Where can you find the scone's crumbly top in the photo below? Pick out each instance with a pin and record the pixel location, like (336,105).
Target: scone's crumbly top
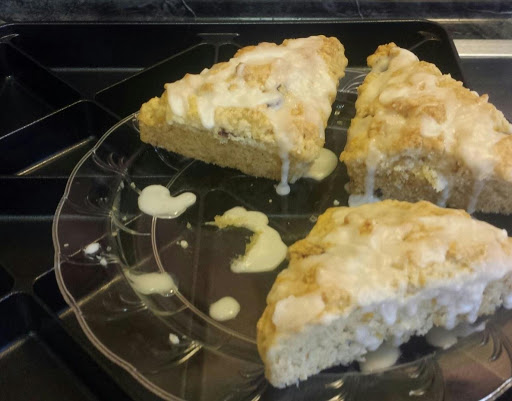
(267,92)
(406,104)
(383,254)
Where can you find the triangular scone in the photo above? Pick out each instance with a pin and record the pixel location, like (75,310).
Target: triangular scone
(419,134)
(266,107)
(379,272)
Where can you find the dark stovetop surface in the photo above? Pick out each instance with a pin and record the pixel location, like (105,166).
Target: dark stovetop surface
(158,10)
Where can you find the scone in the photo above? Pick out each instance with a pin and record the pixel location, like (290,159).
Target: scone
(419,134)
(379,272)
(263,112)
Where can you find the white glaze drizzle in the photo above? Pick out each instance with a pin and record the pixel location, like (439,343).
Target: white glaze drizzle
(152,283)
(507,302)
(157,201)
(92,248)
(445,195)
(383,357)
(226,308)
(323,165)
(266,250)
(283,188)
(372,160)
(174,339)
(444,338)
(478,185)
(355,200)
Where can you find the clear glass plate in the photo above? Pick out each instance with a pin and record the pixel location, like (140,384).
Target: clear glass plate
(219,361)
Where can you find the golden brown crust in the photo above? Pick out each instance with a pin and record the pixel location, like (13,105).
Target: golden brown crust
(152,113)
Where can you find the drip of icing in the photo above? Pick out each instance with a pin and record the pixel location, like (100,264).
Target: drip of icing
(444,338)
(226,308)
(92,248)
(157,201)
(441,337)
(285,145)
(323,165)
(152,283)
(174,339)
(372,160)
(358,200)
(299,79)
(283,188)
(477,188)
(293,312)
(266,250)
(383,357)
(445,195)
(507,302)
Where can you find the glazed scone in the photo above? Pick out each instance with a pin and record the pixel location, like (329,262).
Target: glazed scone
(418,134)
(263,112)
(379,272)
